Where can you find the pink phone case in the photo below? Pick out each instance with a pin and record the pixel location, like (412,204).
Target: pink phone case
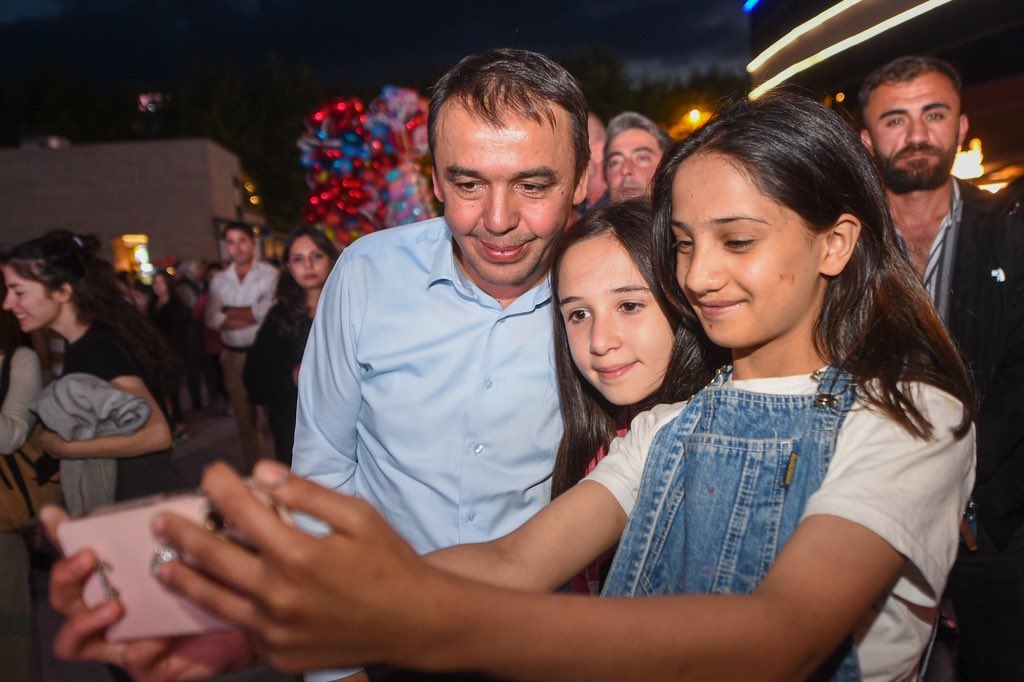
(122,540)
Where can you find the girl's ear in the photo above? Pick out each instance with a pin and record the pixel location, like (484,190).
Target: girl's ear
(840,240)
(62,294)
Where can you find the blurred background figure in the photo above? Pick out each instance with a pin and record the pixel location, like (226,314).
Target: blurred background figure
(134,291)
(174,320)
(632,149)
(240,297)
(20,381)
(209,345)
(272,364)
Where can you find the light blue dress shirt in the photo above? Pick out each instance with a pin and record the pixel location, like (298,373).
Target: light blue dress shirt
(419,393)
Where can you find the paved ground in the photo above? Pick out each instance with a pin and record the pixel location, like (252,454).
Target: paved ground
(210,436)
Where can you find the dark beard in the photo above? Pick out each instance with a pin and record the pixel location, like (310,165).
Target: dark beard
(919,175)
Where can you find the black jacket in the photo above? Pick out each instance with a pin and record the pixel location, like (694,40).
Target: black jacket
(987,322)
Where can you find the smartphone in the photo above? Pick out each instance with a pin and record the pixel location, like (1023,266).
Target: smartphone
(127,557)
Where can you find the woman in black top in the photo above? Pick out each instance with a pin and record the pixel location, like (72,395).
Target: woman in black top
(57,282)
(174,320)
(272,364)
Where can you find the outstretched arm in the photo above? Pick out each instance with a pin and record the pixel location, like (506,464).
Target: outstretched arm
(549,549)
(362,595)
(821,586)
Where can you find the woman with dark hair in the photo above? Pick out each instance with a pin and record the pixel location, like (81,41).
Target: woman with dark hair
(272,364)
(174,320)
(58,282)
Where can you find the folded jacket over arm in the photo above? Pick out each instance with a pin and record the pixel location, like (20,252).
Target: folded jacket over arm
(83,407)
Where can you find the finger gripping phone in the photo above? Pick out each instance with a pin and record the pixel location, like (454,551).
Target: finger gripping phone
(128,555)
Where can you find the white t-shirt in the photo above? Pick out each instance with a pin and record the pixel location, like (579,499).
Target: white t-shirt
(909,491)
(255,290)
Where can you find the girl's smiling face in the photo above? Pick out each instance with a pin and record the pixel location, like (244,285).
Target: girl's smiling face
(618,336)
(751,269)
(30,302)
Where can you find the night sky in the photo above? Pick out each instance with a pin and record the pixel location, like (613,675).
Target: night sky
(148,43)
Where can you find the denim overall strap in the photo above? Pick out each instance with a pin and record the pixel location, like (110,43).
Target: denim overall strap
(724,486)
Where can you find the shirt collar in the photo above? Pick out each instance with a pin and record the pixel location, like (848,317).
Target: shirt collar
(956,204)
(444,270)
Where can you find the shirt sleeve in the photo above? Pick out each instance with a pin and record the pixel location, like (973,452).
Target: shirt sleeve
(621,470)
(16,420)
(909,491)
(265,301)
(214,315)
(329,386)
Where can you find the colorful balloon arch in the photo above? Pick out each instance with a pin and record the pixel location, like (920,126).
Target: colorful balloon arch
(366,167)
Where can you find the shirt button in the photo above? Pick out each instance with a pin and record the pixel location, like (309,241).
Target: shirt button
(471,516)
(478,448)
(488,383)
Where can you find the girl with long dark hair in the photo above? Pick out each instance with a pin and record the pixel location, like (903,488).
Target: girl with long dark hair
(618,343)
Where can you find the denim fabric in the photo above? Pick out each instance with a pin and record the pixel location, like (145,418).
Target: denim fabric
(719,496)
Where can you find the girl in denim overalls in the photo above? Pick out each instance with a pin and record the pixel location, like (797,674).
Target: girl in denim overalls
(795,519)
(813,489)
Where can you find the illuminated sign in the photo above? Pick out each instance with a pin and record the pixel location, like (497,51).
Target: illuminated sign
(840,46)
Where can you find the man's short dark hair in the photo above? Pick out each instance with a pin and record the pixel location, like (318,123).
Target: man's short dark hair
(904,69)
(244,228)
(631,120)
(500,82)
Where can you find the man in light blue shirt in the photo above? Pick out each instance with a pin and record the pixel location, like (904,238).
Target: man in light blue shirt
(427,386)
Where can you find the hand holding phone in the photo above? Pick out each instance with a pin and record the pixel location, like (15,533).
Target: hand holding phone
(128,556)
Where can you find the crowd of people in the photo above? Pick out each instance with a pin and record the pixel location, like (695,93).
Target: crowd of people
(765,377)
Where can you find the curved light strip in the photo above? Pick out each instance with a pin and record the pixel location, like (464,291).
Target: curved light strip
(845,44)
(800,30)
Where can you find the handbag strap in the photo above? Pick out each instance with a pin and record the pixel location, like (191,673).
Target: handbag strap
(19,482)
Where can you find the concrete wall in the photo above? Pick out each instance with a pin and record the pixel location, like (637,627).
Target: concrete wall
(171,190)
